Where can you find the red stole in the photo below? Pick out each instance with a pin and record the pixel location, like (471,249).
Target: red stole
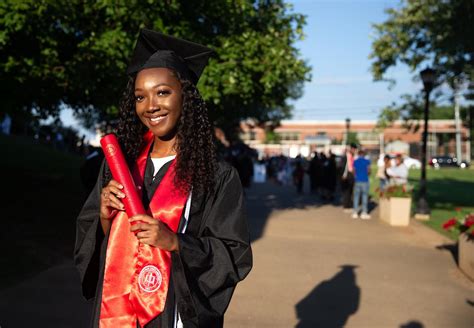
(136,276)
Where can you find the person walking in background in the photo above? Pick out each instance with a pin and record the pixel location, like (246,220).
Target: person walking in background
(298,177)
(319,173)
(347,183)
(399,173)
(382,167)
(331,176)
(313,171)
(323,181)
(361,188)
(328,183)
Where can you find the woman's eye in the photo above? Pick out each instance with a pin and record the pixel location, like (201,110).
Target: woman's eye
(163,92)
(138,98)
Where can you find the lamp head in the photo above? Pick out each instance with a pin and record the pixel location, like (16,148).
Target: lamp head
(428,76)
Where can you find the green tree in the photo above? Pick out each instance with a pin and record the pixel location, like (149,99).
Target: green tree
(74,53)
(352,138)
(427,32)
(271,137)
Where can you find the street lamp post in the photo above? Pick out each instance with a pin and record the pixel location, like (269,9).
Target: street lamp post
(348,126)
(428,76)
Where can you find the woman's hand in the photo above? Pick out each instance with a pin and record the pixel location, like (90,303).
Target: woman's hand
(153,232)
(110,201)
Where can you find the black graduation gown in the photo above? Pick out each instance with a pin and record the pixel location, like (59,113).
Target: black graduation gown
(214,252)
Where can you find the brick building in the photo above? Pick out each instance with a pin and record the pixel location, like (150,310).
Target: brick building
(304,137)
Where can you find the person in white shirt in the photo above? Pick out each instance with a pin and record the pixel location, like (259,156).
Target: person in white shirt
(399,173)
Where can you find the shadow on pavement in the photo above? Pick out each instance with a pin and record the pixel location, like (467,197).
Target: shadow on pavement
(264,198)
(412,324)
(331,302)
(452,248)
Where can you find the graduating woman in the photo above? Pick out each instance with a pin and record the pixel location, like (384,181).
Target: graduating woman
(177,265)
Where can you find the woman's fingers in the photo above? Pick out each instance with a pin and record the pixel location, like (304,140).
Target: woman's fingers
(143,234)
(111,195)
(143,218)
(153,232)
(114,183)
(147,241)
(114,202)
(116,191)
(139,227)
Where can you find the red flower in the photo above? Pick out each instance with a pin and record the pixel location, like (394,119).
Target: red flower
(469,221)
(448,224)
(458,209)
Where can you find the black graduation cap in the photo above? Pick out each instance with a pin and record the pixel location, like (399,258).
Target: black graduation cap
(155,49)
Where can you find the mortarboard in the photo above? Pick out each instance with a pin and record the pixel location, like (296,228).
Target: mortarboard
(155,49)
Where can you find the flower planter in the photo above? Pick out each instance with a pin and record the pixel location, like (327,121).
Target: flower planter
(466,255)
(395,210)
(384,204)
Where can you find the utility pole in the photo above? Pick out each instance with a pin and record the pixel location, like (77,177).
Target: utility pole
(381,143)
(457,119)
(470,113)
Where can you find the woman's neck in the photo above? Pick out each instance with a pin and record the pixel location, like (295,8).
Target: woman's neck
(163,147)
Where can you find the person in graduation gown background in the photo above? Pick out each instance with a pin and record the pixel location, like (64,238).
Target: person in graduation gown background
(210,251)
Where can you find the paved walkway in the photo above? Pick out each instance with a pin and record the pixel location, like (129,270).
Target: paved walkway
(313,267)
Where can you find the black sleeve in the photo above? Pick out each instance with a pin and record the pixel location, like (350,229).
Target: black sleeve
(89,236)
(219,257)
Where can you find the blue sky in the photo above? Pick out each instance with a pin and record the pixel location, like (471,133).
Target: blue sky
(337,45)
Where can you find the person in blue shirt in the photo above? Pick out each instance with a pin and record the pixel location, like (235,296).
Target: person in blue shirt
(361,187)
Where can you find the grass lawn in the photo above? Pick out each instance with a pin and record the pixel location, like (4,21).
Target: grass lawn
(42,195)
(447,189)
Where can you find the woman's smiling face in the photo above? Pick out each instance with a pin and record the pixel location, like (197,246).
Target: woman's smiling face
(158,101)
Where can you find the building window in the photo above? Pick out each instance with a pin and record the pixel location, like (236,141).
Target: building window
(367,136)
(288,136)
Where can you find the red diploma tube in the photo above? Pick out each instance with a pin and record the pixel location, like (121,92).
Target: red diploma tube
(119,168)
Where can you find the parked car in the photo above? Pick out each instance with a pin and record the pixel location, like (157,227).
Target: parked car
(447,161)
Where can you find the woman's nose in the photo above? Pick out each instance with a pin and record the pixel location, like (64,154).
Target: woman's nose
(153,103)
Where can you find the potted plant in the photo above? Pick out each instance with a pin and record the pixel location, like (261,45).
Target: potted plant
(395,204)
(463,223)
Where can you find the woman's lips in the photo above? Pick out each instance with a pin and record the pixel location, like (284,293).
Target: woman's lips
(157,120)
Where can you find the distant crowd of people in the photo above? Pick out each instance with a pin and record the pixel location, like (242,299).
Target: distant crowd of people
(323,171)
(329,175)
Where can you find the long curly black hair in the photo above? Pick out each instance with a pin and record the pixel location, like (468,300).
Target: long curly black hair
(196,150)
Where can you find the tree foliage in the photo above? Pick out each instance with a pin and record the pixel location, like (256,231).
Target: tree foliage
(352,138)
(74,53)
(427,32)
(411,112)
